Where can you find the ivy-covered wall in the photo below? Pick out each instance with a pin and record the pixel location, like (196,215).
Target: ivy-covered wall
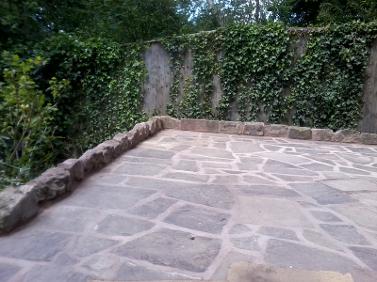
(308,77)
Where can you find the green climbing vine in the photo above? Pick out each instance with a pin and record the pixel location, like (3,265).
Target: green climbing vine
(327,82)
(191,93)
(307,77)
(106,79)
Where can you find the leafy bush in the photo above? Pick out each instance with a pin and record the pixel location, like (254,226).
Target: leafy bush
(104,95)
(26,130)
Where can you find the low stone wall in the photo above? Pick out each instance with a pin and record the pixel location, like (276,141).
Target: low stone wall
(20,204)
(273,130)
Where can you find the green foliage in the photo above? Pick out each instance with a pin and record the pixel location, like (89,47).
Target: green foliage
(198,87)
(309,12)
(264,76)
(255,71)
(26,130)
(104,95)
(85,92)
(327,81)
(29,21)
(113,98)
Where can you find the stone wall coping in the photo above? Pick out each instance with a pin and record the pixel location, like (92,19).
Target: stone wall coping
(19,204)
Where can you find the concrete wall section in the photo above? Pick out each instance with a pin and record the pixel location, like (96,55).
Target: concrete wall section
(159,80)
(369,120)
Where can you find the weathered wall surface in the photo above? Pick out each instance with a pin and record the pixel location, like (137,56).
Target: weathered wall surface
(369,120)
(160,79)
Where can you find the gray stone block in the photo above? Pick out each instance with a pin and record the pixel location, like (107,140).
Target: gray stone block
(325,216)
(303,133)
(277,232)
(368,138)
(249,243)
(345,233)
(153,208)
(16,207)
(323,194)
(91,160)
(34,246)
(276,130)
(367,255)
(173,248)
(129,271)
(253,128)
(197,218)
(75,168)
(170,122)
(230,127)
(282,253)
(139,133)
(122,138)
(7,271)
(110,149)
(322,134)
(56,273)
(200,125)
(83,246)
(346,136)
(51,184)
(123,226)
(155,125)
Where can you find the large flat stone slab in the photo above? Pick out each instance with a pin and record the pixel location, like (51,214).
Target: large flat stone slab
(285,168)
(173,248)
(352,185)
(273,191)
(212,153)
(282,157)
(67,218)
(326,216)
(245,147)
(276,232)
(131,272)
(367,255)
(320,239)
(322,193)
(34,246)
(271,212)
(243,271)
(198,218)
(56,273)
(153,208)
(145,169)
(150,153)
(360,214)
(122,226)
(217,196)
(107,197)
(83,246)
(345,233)
(7,271)
(289,254)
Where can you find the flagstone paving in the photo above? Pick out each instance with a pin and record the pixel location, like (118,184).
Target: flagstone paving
(187,205)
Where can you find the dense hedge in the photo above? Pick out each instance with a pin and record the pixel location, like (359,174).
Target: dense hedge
(105,85)
(94,89)
(263,75)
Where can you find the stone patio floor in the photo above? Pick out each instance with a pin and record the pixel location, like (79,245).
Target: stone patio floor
(187,205)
